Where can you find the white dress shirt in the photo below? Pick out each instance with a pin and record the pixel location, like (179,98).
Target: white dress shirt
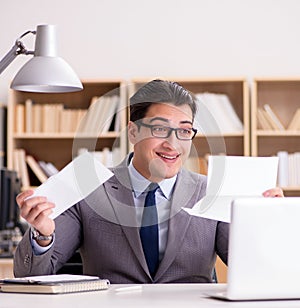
(163,202)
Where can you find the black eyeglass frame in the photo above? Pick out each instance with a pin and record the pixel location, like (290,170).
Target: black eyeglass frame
(170,130)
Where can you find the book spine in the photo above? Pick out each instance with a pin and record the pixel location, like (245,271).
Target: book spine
(35,167)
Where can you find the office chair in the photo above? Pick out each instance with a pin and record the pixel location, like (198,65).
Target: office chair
(72,266)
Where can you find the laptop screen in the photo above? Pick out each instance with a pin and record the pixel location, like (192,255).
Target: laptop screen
(264,248)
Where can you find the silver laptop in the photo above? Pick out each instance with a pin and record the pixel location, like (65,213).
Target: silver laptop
(264,249)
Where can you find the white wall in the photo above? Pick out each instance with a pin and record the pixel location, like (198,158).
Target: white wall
(138,38)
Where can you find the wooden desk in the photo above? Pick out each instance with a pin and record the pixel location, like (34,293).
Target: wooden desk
(154,295)
(6,268)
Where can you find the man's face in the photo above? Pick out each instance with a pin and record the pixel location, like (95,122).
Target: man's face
(160,158)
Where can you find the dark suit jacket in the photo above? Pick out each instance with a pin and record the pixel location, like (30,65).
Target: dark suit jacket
(104,228)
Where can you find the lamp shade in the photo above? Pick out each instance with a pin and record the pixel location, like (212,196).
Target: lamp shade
(46,72)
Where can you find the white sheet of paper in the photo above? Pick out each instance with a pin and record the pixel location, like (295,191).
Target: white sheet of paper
(230,177)
(50,278)
(74,182)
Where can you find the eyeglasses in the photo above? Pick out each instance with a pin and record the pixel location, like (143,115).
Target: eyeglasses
(160,131)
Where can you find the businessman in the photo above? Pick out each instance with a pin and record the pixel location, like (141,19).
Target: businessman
(132,228)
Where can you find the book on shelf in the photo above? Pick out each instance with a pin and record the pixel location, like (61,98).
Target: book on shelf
(19,165)
(54,284)
(46,118)
(86,121)
(288,169)
(215,114)
(262,120)
(28,116)
(100,115)
(70,120)
(98,118)
(106,156)
(20,118)
(111,113)
(283,169)
(117,120)
(27,166)
(35,167)
(37,118)
(51,114)
(273,118)
(48,168)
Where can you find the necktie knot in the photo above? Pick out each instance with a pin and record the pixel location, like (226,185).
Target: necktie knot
(151,190)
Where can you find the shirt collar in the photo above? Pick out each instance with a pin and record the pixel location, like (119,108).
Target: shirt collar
(140,183)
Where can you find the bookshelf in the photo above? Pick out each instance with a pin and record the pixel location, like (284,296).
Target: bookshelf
(283,96)
(58,147)
(237,90)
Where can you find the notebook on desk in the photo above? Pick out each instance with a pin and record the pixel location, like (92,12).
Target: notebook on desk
(54,284)
(264,248)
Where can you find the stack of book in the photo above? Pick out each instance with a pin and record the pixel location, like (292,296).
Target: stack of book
(103,116)
(46,118)
(22,161)
(268,120)
(106,156)
(216,115)
(288,169)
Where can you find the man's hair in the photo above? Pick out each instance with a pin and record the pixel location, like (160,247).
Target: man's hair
(159,91)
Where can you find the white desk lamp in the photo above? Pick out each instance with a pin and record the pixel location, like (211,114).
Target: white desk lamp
(45,72)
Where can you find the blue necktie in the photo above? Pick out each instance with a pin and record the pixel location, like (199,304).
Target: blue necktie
(149,230)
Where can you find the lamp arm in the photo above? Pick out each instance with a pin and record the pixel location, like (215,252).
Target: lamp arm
(16,50)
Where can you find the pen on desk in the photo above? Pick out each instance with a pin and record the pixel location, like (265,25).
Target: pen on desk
(129,289)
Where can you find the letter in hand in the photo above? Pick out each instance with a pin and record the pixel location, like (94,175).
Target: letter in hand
(36,211)
(273,192)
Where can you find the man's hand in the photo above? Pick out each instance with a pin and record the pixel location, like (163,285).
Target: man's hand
(273,192)
(36,211)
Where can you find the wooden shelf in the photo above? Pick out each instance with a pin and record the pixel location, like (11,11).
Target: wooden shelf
(63,135)
(238,92)
(283,96)
(271,133)
(60,147)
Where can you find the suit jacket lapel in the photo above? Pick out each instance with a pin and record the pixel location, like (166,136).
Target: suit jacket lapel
(119,192)
(184,196)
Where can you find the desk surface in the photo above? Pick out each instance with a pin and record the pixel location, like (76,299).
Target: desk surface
(154,295)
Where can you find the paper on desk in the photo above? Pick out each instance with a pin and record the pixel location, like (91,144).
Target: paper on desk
(230,177)
(50,278)
(74,182)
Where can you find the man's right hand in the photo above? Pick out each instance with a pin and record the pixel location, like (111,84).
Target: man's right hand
(36,211)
